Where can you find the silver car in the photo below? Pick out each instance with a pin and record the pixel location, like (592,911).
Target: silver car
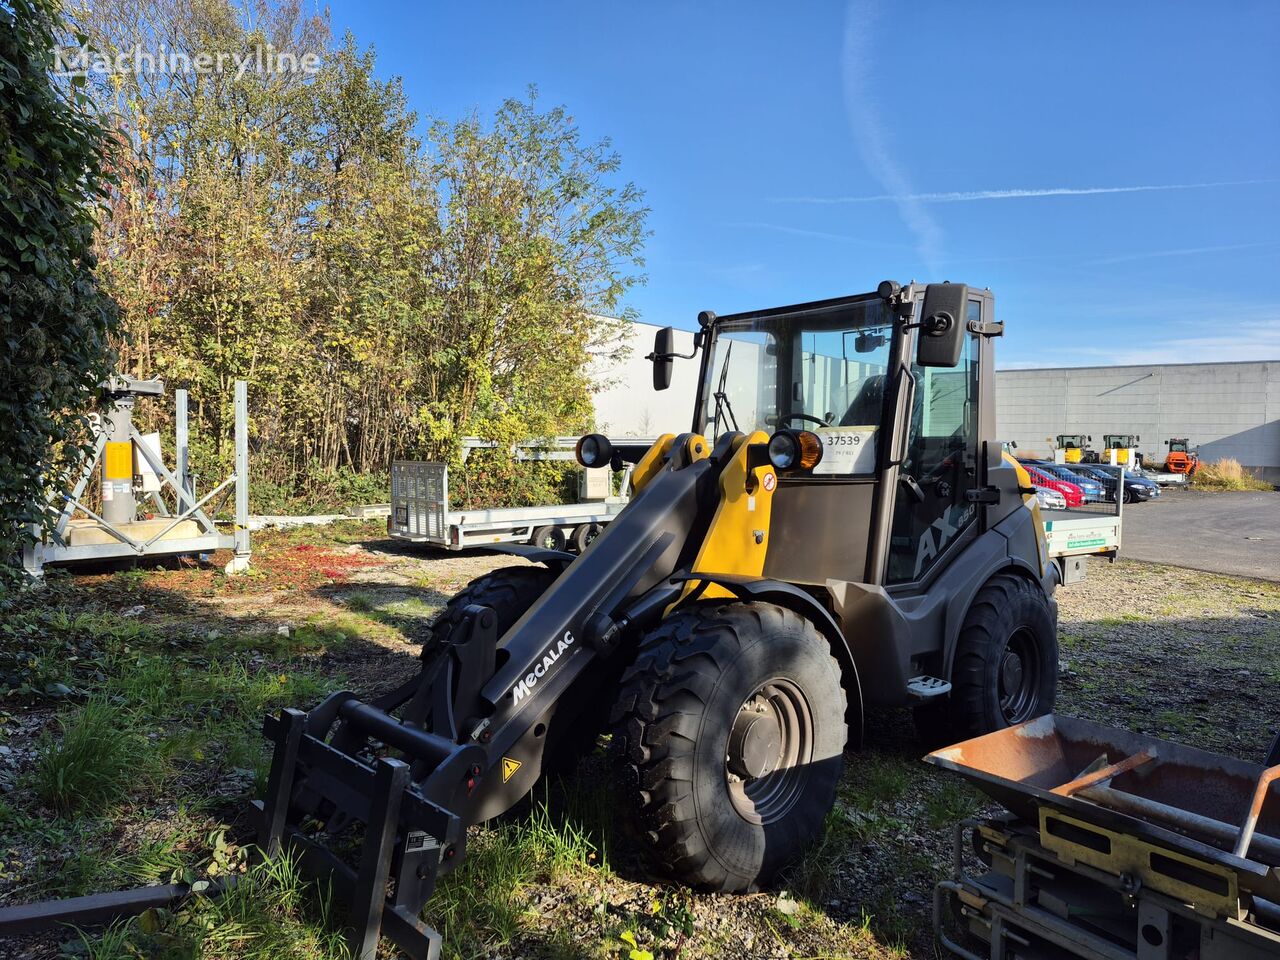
(1050,499)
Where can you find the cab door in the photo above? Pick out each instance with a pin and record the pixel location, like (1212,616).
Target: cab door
(932,515)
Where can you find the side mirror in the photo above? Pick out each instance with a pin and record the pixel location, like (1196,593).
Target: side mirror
(943,324)
(664,346)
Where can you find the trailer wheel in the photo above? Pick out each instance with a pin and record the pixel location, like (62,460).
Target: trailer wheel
(730,733)
(1006,664)
(509,592)
(583,534)
(548,538)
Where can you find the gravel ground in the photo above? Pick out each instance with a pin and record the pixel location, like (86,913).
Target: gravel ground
(1176,653)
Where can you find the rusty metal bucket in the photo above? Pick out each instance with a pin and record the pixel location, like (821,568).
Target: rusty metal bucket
(1205,805)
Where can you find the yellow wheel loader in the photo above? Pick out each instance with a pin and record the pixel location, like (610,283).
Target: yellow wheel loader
(836,528)
(1121,448)
(1075,448)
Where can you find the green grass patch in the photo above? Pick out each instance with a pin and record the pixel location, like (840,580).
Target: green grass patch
(272,913)
(480,908)
(816,874)
(93,762)
(875,779)
(950,803)
(359,602)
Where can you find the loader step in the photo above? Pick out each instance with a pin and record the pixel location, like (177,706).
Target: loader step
(926,688)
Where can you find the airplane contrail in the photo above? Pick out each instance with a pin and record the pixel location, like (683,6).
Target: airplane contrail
(961,196)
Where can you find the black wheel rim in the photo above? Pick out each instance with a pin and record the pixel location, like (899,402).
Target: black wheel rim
(1018,677)
(769,752)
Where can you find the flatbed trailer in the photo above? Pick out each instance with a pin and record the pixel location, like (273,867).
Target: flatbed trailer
(420,513)
(1166,479)
(1075,534)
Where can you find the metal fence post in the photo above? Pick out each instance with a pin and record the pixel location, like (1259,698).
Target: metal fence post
(240,562)
(181,440)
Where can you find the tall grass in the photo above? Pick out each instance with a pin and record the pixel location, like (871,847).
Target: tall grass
(1227,474)
(93,762)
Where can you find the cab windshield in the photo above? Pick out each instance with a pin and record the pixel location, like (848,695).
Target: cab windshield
(821,369)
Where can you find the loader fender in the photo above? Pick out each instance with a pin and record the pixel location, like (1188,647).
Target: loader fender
(555,559)
(793,598)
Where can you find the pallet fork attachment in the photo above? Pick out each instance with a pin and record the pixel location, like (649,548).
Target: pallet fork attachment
(349,766)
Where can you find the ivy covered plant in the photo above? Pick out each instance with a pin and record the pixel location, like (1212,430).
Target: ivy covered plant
(54,320)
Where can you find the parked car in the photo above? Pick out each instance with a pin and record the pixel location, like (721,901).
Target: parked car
(1093,490)
(1141,484)
(1071,493)
(1050,499)
(1137,488)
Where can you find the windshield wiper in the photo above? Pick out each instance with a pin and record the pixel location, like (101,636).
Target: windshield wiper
(722,399)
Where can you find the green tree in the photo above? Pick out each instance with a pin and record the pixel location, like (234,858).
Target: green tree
(536,248)
(54,320)
(387,287)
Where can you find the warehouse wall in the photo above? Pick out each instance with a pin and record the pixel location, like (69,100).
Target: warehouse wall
(626,403)
(1226,409)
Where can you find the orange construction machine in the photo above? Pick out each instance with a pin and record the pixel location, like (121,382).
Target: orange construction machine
(1181,459)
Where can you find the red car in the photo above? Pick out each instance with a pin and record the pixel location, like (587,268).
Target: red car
(1070,492)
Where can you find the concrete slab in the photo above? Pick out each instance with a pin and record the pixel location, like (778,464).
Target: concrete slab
(83,533)
(1231,533)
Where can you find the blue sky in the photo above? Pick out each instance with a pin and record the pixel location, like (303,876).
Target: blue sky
(1111,171)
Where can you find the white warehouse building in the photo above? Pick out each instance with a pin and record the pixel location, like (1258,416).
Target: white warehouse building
(1225,409)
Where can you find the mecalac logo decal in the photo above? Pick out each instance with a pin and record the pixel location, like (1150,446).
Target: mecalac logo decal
(549,658)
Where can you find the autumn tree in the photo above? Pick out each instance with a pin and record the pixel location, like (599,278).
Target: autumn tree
(387,285)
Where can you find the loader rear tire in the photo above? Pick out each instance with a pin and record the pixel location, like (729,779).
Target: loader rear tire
(509,592)
(729,735)
(1006,664)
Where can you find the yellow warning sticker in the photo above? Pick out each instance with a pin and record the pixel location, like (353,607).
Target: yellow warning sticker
(509,768)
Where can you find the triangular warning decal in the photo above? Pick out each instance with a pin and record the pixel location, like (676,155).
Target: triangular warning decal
(509,768)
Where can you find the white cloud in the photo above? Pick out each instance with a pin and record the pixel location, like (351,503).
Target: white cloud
(817,234)
(858,53)
(1232,340)
(902,196)
(1182,252)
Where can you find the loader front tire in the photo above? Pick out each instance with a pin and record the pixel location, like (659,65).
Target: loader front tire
(729,734)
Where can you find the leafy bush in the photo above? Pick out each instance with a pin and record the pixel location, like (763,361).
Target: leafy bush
(317,490)
(1227,474)
(54,321)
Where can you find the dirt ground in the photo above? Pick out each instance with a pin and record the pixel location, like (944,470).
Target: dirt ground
(192,659)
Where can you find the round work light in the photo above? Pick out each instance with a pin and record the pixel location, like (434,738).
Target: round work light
(594,450)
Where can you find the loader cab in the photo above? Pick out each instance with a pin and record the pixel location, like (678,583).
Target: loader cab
(900,418)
